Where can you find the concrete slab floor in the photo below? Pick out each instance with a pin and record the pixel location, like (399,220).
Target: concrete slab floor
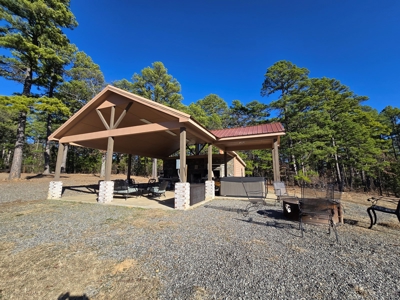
(166,203)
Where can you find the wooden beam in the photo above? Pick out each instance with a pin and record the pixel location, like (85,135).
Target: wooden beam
(249,147)
(102,119)
(112,117)
(121,117)
(60,155)
(210,172)
(110,150)
(128,174)
(182,155)
(225,163)
(153,127)
(275,162)
(154,168)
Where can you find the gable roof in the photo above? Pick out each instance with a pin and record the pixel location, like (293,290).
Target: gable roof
(249,138)
(270,128)
(141,126)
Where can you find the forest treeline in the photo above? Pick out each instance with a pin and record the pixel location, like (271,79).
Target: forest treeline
(331,134)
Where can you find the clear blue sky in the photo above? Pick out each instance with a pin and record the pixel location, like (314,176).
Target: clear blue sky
(225,46)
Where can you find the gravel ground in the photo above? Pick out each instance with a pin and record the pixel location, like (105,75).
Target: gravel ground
(212,252)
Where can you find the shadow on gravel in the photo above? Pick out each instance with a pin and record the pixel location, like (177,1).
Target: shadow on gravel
(275,224)
(87,189)
(37,176)
(271,213)
(67,296)
(225,208)
(350,222)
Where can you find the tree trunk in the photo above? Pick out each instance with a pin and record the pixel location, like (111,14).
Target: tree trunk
(71,165)
(363,180)
(8,158)
(394,147)
(351,178)
(15,171)
(345,179)
(338,175)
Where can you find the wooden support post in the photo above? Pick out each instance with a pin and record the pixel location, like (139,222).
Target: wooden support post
(128,174)
(110,149)
(182,154)
(273,162)
(225,164)
(210,172)
(60,156)
(275,156)
(154,168)
(112,117)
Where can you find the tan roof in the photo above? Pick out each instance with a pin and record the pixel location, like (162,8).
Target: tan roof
(142,127)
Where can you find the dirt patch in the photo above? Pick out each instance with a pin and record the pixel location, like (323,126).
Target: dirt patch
(50,272)
(124,266)
(145,218)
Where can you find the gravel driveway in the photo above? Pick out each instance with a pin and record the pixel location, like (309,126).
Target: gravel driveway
(212,252)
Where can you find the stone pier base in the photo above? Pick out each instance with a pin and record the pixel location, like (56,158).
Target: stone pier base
(106,191)
(55,190)
(182,195)
(210,189)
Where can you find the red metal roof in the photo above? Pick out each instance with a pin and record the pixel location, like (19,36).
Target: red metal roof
(250,130)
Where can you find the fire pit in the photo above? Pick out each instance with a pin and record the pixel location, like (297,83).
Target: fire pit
(291,211)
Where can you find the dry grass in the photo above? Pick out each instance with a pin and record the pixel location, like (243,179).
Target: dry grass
(48,272)
(298,249)
(52,272)
(259,242)
(391,225)
(145,218)
(199,293)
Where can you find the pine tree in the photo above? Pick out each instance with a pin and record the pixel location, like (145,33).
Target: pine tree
(27,30)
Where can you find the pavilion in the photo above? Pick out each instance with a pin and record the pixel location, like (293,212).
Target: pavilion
(118,121)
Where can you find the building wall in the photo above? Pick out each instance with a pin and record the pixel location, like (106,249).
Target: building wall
(197,167)
(238,168)
(231,167)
